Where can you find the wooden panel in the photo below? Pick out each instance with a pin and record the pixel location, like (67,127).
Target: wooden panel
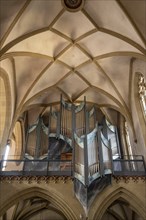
(66,156)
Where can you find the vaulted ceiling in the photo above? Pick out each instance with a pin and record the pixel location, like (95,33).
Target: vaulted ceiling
(47,50)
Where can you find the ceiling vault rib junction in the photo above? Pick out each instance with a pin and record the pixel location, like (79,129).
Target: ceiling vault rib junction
(63,51)
(61,35)
(90,19)
(115,34)
(83,64)
(64,93)
(88,33)
(64,77)
(30,34)
(56,18)
(84,51)
(83,78)
(124,38)
(64,64)
(89,52)
(113,85)
(124,111)
(14,21)
(129,116)
(121,53)
(35,96)
(83,92)
(22,38)
(41,73)
(132,21)
(108,95)
(28,91)
(92,87)
(106,55)
(24,53)
(36,80)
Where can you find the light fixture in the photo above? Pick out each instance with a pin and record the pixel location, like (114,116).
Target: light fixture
(6,155)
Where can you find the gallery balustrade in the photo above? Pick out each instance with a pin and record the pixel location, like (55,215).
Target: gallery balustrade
(127,165)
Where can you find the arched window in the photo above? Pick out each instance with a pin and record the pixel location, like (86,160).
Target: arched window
(2,107)
(13,150)
(5,109)
(16,142)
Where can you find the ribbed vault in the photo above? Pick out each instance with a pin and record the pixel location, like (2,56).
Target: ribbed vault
(47,50)
(37,203)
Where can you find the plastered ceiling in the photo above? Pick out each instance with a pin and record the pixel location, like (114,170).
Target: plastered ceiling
(47,50)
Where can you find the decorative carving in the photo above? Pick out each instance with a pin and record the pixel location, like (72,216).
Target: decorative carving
(37,179)
(142,92)
(126,179)
(142,86)
(62,179)
(73,5)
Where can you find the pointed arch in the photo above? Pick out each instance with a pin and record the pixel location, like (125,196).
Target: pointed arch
(52,197)
(99,207)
